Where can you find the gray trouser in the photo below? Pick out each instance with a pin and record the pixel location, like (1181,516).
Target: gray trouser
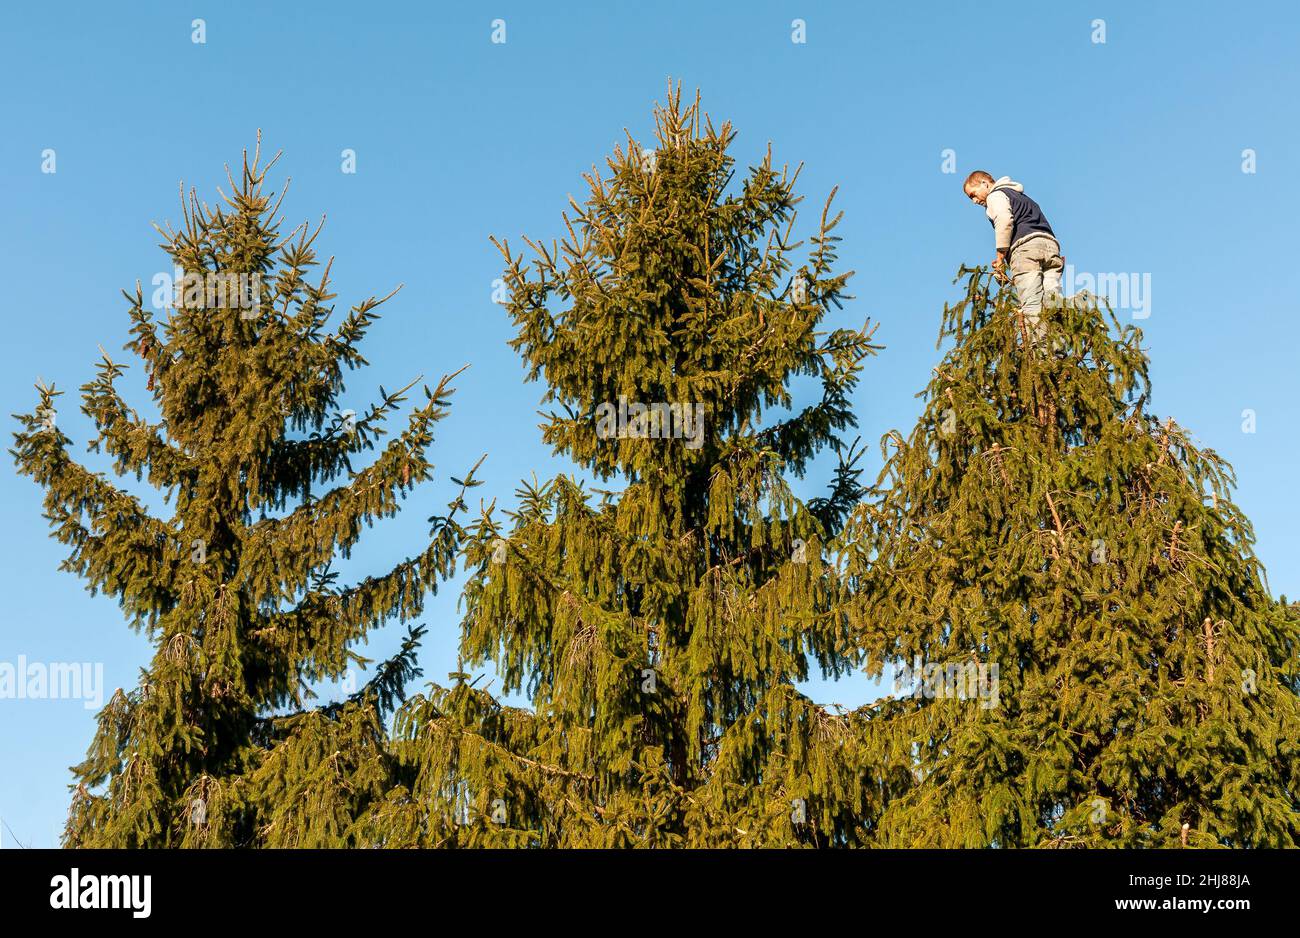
(1036,267)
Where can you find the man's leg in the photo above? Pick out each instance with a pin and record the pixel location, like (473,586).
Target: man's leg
(1027,273)
(1053,265)
(1053,299)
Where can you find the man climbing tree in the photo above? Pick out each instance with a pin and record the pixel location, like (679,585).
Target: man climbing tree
(659,630)
(217,746)
(1039,525)
(1023,239)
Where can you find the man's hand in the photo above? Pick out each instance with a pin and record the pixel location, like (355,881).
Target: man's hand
(1000,268)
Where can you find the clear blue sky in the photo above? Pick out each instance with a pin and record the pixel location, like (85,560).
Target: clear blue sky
(1133,147)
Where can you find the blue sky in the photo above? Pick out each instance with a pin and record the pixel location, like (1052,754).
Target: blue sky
(1134,147)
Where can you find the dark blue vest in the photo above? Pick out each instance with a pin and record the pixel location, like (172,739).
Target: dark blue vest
(1027,217)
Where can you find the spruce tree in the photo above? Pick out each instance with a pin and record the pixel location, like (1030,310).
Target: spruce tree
(1041,521)
(658,627)
(220,743)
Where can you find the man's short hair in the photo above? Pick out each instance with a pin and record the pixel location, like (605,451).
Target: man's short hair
(978,176)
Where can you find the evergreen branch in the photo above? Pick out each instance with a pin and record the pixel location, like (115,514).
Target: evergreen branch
(124,551)
(310,535)
(136,445)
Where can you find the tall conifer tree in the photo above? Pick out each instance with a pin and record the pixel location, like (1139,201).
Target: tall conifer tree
(1041,521)
(659,630)
(219,744)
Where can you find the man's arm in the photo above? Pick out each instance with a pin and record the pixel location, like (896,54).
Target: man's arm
(998,208)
